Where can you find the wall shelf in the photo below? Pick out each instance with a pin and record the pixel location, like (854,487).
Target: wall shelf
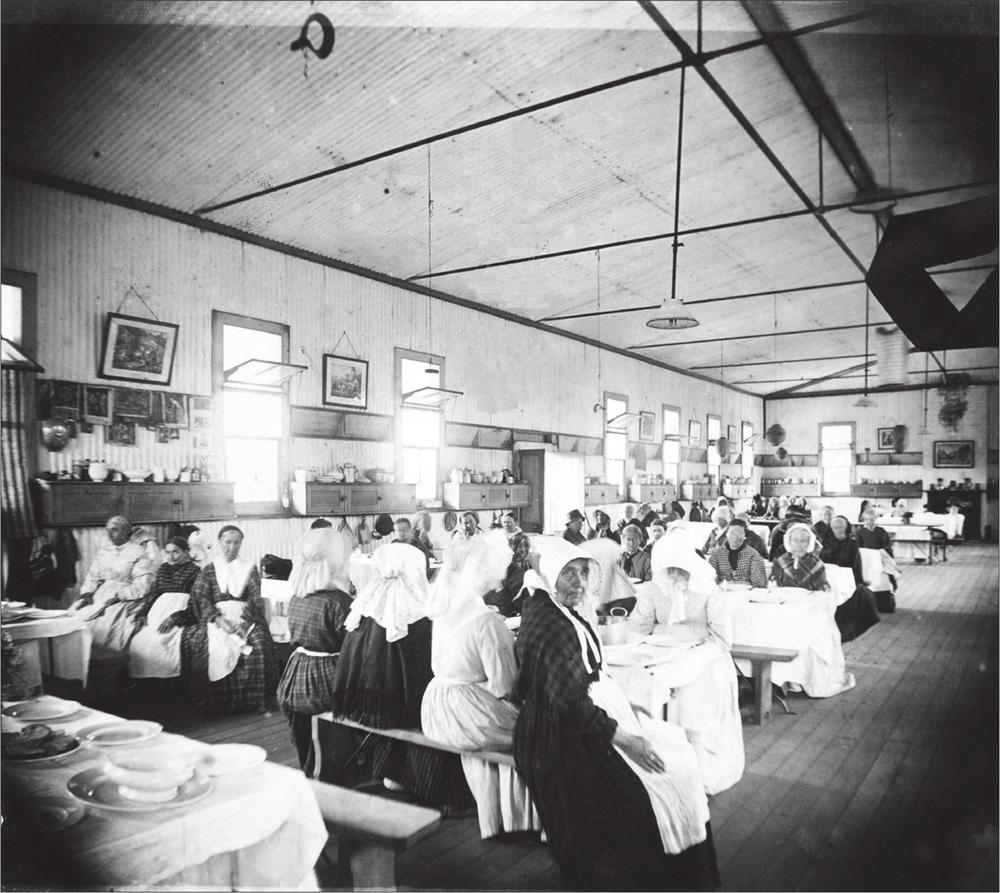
(464,497)
(82,504)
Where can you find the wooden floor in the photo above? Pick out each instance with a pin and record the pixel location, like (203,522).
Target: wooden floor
(890,786)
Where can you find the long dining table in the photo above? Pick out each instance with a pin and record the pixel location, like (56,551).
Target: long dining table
(55,642)
(259,827)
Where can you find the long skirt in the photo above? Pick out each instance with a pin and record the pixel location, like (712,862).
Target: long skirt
(305,689)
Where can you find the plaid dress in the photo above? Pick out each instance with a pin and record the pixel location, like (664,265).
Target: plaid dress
(810,574)
(248,686)
(749,565)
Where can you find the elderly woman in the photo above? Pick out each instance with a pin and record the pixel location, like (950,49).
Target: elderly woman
(507,598)
(735,560)
(799,566)
(634,561)
(510,528)
(773,508)
(226,676)
(383,670)
(467,703)
(317,612)
(155,649)
(620,795)
(684,593)
(822,527)
(602,527)
(723,514)
(115,586)
(860,612)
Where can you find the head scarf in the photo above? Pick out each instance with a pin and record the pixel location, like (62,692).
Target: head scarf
(552,554)
(232,575)
(180,543)
(318,563)
(201,547)
(397,595)
(471,569)
(675,549)
(810,547)
(614,582)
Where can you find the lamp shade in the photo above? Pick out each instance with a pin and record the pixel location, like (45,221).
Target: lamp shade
(775,435)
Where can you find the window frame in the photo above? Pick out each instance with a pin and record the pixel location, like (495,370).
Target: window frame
(823,491)
(406,353)
(664,409)
(28,284)
(221,318)
(621,398)
(712,458)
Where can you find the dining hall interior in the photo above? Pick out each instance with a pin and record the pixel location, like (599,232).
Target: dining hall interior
(506,446)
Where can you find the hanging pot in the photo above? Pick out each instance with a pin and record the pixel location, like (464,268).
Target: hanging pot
(899,438)
(722,445)
(55,435)
(775,435)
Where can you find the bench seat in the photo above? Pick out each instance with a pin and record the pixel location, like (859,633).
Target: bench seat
(760,660)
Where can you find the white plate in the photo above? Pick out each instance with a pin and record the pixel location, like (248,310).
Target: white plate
(55,756)
(117,734)
(42,709)
(767,598)
(225,759)
(94,788)
(48,814)
(5,605)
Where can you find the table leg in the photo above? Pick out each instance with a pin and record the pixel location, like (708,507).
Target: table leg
(762,690)
(317,750)
(373,865)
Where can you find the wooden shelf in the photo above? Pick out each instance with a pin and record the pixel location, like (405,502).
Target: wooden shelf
(464,497)
(601,494)
(82,504)
(888,490)
(353,499)
(652,493)
(809,488)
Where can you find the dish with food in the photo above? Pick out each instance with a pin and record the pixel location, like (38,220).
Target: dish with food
(94,788)
(116,734)
(42,709)
(35,743)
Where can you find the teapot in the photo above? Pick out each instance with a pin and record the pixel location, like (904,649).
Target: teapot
(612,628)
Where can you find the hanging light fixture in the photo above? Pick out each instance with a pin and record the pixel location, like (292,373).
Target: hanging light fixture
(673,314)
(924,430)
(866,402)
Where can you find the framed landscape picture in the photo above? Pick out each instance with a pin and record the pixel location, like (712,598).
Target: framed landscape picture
(97,405)
(647,422)
(133,402)
(954,453)
(886,439)
(345,382)
(137,349)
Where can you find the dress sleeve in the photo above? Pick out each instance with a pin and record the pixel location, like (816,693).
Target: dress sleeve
(254,612)
(713,560)
(818,577)
(202,603)
(496,650)
(758,571)
(139,581)
(859,577)
(778,573)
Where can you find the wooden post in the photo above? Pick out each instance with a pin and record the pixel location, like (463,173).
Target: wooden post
(762,690)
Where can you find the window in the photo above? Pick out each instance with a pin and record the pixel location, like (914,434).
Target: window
(746,450)
(419,429)
(714,431)
(671,443)
(615,440)
(253,417)
(836,458)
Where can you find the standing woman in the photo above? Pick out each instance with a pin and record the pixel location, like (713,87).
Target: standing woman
(316,615)
(620,796)
(228,607)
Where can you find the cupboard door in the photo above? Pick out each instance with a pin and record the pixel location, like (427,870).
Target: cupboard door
(153,502)
(325,499)
(362,499)
(496,496)
(212,499)
(520,494)
(397,499)
(80,504)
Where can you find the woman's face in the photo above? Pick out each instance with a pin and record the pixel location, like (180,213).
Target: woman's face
(827,515)
(522,550)
(655,532)
(175,554)
(508,524)
(571,584)
(678,577)
(839,528)
(229,544)
(798,543)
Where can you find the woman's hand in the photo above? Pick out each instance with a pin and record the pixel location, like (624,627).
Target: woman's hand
(226,625)
(166,626)
(640,751)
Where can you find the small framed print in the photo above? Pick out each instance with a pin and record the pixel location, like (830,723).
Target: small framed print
(97,406)
(694,433)
(137,349)
(173,410)
(133,402)
(954,453)
(120,433)
(345,382)
(886,439)
(65,396)
(647,423)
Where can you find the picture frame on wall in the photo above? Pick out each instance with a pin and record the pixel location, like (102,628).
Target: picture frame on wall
(136,349)
(97,407)
(173,410)
(694,433)
(731,437)
(345,382)
(954,453)
(134,403)
(886,439)
(647,425)
(120,433)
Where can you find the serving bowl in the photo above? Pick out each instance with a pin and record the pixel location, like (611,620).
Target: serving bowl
(136,474)
(150,774)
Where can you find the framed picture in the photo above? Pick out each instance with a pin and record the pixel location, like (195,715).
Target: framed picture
(65,399)
(97,405)
(137,349)
(134,403)
(200,404)
(173,410)
(886,439)
(647,423)
(345,382)
(954,453)
(694,433)
(731,437)
(120,433)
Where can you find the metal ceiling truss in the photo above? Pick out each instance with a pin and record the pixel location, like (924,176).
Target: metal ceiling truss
(771,334)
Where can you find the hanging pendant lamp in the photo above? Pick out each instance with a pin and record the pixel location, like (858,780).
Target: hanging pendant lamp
(673,314)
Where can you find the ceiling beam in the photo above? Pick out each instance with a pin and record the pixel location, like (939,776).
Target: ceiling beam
(527,110)
(813,331)
(696,230)
(848,356)
(753,381)
(688,55)
(800,73)
(872,392)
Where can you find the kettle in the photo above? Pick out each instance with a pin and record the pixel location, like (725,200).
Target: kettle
(612,628)
(350,473)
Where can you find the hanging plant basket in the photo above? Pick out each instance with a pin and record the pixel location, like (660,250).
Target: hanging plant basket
(775,435)
(953,392)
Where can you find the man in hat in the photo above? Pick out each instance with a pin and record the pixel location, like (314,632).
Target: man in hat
(574,527)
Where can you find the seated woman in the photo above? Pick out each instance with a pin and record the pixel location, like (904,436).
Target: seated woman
(602,527)
(821,528)
(633,560)
(684,593)
(155,649)
(620,795)
(383,670)
(507,598)
(114,589)
(223,676)
(860,612)
(799,566)
(735,560)
(773,508)
(317,612)
(201,547)
(467,703)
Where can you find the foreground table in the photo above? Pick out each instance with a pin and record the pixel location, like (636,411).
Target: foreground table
(54,642)
(258,828)
(652,686)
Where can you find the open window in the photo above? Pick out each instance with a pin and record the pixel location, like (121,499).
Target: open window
(422,396)
(615,438)
(671,443)
(836,458)
(713,429)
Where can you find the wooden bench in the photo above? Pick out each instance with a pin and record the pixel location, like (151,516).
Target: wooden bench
(761,660)
(371,831)
(408,735)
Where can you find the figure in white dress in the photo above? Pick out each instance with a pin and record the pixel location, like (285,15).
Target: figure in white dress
(684,593)
(466,703)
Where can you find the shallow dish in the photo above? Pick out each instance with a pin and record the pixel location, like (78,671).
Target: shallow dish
(74,747)
(225,759)
(42,709)
(118,734)
(94,788)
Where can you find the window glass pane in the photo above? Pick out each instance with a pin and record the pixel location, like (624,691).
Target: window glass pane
(836,458)
(252,466)
(251,414)
(616,445)
(413,375)
(420,427)
(10,314)
(835,435)
(671,452)
(240,344)
(714,428)
(420,468)
(836,481)
(615,471)
(671,422)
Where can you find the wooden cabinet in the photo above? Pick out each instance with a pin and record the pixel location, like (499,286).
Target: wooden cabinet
(80,504)
(353,499)
(601,494)
(772,488)
(738,491)
(699,492)
(652,493)
(888,490)
(463,497)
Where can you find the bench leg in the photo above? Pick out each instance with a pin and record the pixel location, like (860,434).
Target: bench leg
(762,690)
(373,865)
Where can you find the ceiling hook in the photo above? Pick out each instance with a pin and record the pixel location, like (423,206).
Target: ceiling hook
(303,42)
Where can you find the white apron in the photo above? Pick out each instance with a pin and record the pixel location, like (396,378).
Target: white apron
(152,654)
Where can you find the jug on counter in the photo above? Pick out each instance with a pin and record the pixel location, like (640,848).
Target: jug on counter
(350,473)
(612,628)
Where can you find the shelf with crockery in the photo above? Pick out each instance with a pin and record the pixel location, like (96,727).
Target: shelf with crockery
(909,490)
(317,498)
(463,497)
(803,487)
(601,494)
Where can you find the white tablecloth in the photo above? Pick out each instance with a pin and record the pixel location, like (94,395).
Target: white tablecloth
(805,621)
(258,828)
(58,645)
(952,525)
(651,686)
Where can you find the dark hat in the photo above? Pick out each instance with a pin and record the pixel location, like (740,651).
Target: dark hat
(575,515)
(383,525)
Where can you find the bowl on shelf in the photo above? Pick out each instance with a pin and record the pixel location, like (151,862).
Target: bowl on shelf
(98,471)
(136,474)
(377,475)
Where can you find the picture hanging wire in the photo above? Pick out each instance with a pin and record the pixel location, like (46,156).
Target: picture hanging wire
(130,292)
(344,335)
